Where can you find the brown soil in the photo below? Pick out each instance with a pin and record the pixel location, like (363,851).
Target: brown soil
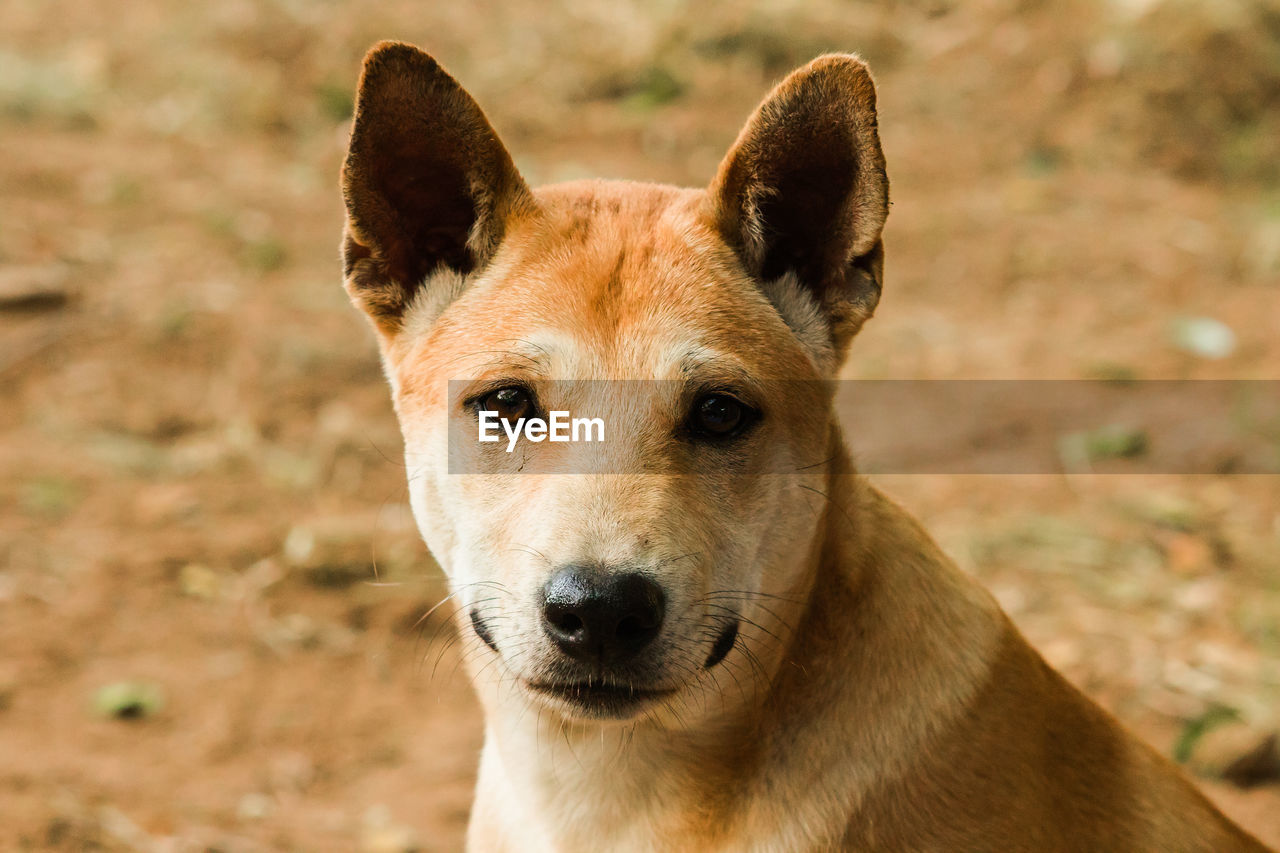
(199,478)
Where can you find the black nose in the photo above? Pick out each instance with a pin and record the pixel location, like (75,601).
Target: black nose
(599,616)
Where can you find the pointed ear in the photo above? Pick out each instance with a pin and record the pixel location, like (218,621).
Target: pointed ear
(428,186)
(804,192)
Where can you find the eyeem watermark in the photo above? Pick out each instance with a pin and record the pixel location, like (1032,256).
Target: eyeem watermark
(896,426)
(559,427)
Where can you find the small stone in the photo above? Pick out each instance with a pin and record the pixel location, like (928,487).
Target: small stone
(199,581)
(299,545)
(1203,336)
(390,839)
(1201,596)
(129,700)
(1256,766)
(293,772)
(299,629)
(34,288)
(382,835)
(1105,59)
(254,806)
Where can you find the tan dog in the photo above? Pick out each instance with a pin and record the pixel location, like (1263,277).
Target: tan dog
(725,640)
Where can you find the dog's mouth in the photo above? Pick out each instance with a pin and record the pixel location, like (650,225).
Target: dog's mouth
(602,699)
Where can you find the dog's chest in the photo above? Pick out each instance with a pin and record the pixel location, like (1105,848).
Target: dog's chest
(587,802)
(555,800)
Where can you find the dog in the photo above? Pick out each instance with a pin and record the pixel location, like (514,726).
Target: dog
(722,638)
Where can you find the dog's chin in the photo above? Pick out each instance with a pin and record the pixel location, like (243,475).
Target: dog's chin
(598,700)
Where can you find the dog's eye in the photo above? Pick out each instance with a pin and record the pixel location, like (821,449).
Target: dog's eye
(719,416)
(511,404)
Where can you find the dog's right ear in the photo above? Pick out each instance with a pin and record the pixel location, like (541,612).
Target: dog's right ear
(428,186)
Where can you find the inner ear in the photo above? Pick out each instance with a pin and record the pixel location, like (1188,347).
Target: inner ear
(437,209)
(801,196)
(803,191)
(427,184)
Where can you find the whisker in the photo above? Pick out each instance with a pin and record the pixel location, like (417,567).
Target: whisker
(828,499)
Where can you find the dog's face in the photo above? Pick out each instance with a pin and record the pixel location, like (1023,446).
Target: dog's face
(634,575)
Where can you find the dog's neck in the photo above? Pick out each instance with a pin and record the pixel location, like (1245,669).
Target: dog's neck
(869,631)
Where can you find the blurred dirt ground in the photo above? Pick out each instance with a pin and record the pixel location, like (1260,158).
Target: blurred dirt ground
(201,503)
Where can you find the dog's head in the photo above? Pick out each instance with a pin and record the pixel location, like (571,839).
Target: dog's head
(700,326)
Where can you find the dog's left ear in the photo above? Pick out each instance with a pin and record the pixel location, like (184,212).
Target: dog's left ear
(803,191)
(429,187)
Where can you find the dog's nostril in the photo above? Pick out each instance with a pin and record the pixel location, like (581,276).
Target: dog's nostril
(567,623)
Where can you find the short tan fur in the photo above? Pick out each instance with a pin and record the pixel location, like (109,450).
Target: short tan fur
(795,665)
